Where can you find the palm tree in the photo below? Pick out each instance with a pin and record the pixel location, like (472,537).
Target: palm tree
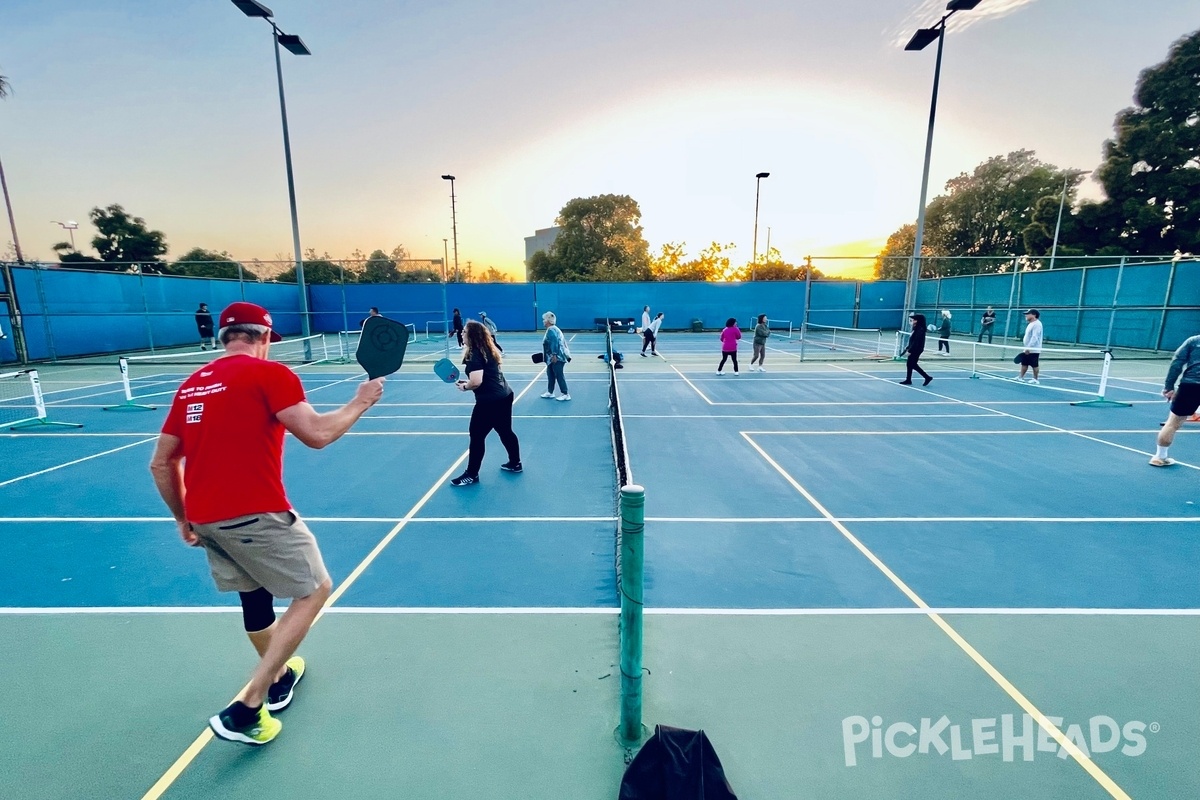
(5,91)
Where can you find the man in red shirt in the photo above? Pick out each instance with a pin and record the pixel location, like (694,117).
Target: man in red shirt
(219,468)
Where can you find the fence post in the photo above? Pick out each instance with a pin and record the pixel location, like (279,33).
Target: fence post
(1112,315)
(14,315)
(1012,290)
(47,325)
(1162,321)
(1083,276)
(633,504)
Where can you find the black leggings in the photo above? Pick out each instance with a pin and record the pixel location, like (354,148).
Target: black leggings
(647,339)
(944,344)
(724,356)
(488,416)
(912,364)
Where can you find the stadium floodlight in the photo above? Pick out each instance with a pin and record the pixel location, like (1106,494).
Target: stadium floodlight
(252,8)
(754,259)
(920,40)
(453,223)
(293,44)
(70,226)
(923,38)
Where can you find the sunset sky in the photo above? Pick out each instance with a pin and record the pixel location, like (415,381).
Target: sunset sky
(171,109)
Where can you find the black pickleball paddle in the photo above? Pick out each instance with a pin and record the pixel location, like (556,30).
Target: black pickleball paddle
(381,346)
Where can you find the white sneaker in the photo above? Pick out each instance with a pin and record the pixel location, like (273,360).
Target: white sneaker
(547,394)
(1034,381)
(563,397)
(762,369)
(719,373)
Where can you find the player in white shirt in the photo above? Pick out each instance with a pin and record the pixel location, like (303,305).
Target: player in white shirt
(1033,344)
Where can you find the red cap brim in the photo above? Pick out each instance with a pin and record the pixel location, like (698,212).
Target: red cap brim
(275,337)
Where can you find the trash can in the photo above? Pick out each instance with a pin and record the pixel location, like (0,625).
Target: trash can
(697,326)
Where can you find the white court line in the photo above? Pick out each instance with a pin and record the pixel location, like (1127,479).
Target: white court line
(703,396)
(14,611)
(1079,432)
(1007,686)
(78,461)
(1039,424)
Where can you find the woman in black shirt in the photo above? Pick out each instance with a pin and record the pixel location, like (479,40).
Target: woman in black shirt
(916,346)
(493,403)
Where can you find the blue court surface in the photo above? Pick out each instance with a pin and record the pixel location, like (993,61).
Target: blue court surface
(834,563)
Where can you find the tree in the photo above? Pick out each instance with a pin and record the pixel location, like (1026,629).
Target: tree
(984,213)
(125,241)
(317,269)
(601,240)
(712,264)
(493,275)
(774,268)
(5,91)
(379,269)
(201,263)
(1151,169)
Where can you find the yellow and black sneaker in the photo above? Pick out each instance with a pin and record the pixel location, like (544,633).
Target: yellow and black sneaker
(279,696)
(238,723)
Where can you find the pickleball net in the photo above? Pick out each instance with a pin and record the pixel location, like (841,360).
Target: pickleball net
(22,404)
(629,507)
(347,343)
(860,342)
(1071,370)
(147,378)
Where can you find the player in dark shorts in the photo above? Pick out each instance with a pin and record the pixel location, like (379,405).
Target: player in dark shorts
(1185,399)
(204,324)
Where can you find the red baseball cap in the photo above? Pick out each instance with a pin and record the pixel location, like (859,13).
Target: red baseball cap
(241,313)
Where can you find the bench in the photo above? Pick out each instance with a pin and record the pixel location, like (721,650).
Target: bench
(615,324)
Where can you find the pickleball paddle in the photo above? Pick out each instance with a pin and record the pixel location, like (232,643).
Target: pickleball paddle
(381,346)
(446,370)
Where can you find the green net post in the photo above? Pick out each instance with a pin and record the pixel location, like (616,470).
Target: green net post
(633,503)
(127,404)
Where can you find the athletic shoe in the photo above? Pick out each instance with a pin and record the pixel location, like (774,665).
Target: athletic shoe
(643,355)
(279,695)
(512,466)
(927,381)
(547,394)
(762,369)
(905,383)
(237,723)
(719,373)
(1161,462)
(563,397)
(1035,381)
(464,480)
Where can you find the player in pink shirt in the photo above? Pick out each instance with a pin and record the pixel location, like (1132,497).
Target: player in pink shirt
(729,345)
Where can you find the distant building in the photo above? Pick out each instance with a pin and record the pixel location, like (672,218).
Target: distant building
(541,240)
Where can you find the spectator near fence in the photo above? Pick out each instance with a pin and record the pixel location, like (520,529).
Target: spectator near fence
(204,325)
(987,324)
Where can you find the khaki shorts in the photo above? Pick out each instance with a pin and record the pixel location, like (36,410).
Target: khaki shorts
(275,551)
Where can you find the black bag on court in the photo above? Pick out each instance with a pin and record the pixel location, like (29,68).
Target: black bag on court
(676,764)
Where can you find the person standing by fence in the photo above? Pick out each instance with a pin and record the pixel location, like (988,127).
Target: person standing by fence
(204,324)
(987,324)
(458,326)
(944,333)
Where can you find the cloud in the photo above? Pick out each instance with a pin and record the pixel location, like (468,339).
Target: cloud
(928,12)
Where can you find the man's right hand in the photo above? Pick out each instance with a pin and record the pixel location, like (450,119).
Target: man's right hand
(1169,394)
(369,392)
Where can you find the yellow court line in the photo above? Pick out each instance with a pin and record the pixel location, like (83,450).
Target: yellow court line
(185,759)
(1012,691)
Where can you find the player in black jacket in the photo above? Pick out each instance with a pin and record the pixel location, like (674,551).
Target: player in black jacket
(914,348)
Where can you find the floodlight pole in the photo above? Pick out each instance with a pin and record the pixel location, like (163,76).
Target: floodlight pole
(305,329)
(914,273)
(453,223)
(12,222)
(754,259)
(1062,201)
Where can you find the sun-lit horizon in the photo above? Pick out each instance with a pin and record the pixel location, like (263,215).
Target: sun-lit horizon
(174,115)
